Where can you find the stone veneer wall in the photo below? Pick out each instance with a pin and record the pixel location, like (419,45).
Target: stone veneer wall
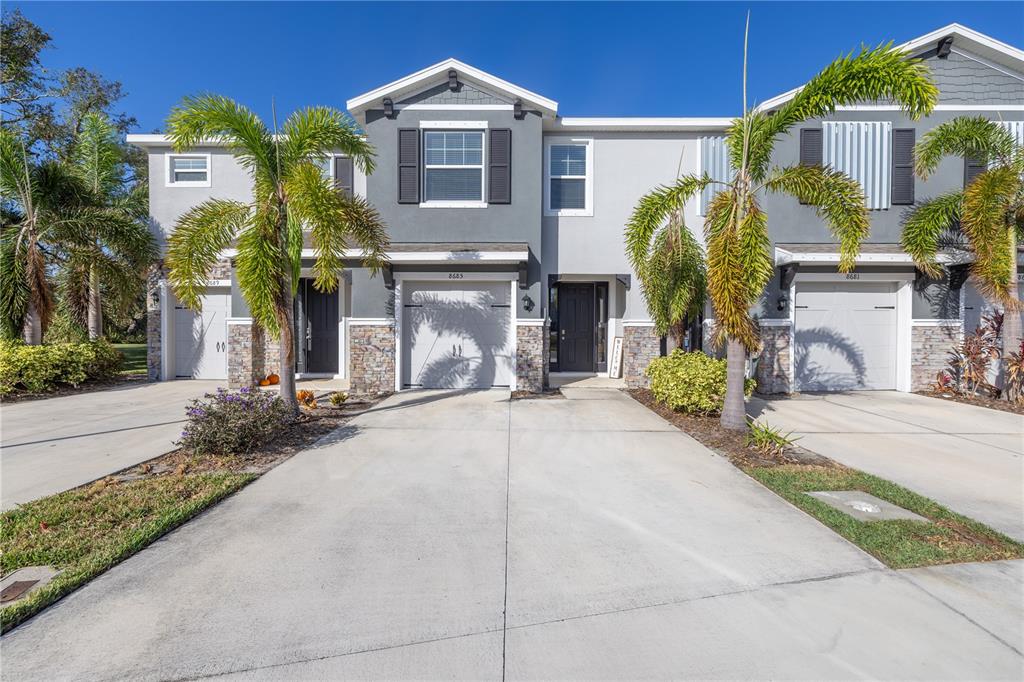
(532,346)
(372,358)
(154,317)
(929,348)
(776,357)
(640,345)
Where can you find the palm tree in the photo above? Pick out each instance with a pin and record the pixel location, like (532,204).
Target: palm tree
(290,195)
(990,212)
(739,257)
(42,202)
(112,255)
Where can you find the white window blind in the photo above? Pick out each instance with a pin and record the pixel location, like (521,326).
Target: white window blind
(714,162)
(189,169)
(453,167)
(862,150)
(568,172)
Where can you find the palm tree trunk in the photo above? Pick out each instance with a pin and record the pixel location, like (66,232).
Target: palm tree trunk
(1012,325)
(286,321)
(734,412)
(32,327)
(95,308)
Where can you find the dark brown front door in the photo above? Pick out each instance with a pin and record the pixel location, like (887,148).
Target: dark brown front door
(322,335)
(576,327)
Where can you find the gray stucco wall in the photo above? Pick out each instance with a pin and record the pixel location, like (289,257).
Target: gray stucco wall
(518,221)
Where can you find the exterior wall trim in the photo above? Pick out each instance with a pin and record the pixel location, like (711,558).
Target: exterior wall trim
(773,322)
(452,125)
(414,257)
(937,322)
(532,322)
(370,321)
(637,323)
(239,320)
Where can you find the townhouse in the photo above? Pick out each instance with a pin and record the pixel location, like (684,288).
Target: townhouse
(507,259)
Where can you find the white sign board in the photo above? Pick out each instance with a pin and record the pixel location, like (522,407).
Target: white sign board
(616,369)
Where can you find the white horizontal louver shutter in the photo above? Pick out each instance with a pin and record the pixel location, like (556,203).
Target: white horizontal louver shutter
(1016,129)
(714,162)
(862,150)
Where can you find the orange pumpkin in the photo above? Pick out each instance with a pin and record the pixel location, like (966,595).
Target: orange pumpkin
(264,382)
(274,379)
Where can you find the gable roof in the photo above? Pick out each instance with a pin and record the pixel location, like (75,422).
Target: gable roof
(414,82)
(977,43)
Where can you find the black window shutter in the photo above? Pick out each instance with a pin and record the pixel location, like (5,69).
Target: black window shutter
(973,167)
(811,146)
(811,149)
(408,166)
(903,166)
(499,166)
(343,175)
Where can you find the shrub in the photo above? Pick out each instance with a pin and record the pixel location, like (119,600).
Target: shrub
(233,422)
(691,382)
(969,361)
(46,367)
(338,398)
(306,398)
(767,440)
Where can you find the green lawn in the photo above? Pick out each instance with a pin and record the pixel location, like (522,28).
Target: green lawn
(134,357)
(947,538)
(85,531)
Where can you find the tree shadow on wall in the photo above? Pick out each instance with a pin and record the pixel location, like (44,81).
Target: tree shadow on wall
(481,325)
(812,377)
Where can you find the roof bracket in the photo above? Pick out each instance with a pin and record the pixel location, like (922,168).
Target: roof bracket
(389,277)
(944,47)
(627,280)
(453,80)
(958,274)
(389,108)
(517,109)
(787,273)
(524,281)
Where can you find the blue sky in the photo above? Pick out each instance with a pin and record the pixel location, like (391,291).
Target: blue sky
(594,59)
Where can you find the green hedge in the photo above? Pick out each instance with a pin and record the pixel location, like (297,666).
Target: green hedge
(691,382)
(44,368)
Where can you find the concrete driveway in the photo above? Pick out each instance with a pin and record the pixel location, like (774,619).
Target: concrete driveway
(461,536)
(58,443)
(969,458)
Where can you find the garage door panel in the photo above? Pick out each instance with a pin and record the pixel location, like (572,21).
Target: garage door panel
(200,338)
(456,334)
(845,336)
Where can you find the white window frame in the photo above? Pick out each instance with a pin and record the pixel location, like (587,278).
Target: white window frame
(169,178)
(588,192)
(456,127)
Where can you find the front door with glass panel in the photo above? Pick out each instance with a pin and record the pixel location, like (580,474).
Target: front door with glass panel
(318,330)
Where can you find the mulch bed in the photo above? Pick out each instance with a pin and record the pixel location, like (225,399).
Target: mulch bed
(546,395)
(979,401)
(311,426)
(730,444)
(90,387)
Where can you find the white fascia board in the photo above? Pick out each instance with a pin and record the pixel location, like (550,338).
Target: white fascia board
(406,257)
(980,43)
(407,84)
(160,140)
(785,257)
(626,124)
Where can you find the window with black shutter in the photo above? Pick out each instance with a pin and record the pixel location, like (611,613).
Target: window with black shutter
(903,166)
(408,166)
(499,166)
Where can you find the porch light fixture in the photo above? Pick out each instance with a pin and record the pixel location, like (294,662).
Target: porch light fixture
(389,108)
(782,302)
(453,80)
(528,303)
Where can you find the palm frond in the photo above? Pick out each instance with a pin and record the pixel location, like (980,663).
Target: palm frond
(218,118)
(196,243)
(13,283)
(925,227)
(261,267)
(967,136)
(654,210)
(14,170)
(838,200)
(673,278)
(96,155)
(315,132)
(726,230)
(985,224)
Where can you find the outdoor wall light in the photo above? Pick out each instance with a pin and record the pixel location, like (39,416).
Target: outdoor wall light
(528,303)
(782,302)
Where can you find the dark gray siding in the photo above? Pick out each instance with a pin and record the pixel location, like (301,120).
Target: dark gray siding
(963,80)
(517,221)
(466,94)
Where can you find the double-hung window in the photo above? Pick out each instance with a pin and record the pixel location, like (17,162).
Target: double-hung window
(188,170)
(569,177)
(453,167)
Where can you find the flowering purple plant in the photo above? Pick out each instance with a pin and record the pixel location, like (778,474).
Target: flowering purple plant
(232,422)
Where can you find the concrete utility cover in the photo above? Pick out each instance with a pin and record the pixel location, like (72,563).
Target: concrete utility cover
(865,507)
(24,581)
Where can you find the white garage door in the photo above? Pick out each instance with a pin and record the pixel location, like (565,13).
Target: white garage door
(845,336)
(200,338)
(456,334)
